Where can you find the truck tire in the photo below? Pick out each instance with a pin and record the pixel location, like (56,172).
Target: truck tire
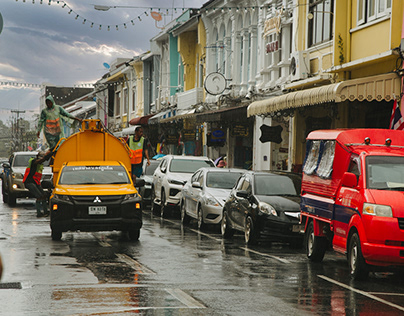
(315,245)
(4,192)
(358,267)
(56,234)
(134,234)
(12,199)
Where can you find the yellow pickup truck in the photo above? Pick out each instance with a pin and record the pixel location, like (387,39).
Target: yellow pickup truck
(92,186)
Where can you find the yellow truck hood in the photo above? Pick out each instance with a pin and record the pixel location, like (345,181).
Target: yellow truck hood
(98,189)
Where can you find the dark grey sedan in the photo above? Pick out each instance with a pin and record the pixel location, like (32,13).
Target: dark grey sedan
(264,204)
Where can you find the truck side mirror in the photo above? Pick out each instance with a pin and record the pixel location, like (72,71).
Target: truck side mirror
(349,180)
(243,194)
(139,183)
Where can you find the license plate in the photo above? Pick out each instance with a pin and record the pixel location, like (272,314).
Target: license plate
(97,210)
(296,228)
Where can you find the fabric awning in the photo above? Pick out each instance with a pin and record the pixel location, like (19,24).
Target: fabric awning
(181,114)
(162,115)
(141,120)
(229,114)
(381,87)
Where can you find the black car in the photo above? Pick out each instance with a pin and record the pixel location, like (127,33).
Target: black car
(264,204)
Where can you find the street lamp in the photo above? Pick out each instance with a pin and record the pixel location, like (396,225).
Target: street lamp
(102,7)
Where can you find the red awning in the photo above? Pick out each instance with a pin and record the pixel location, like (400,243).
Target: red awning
(141,120)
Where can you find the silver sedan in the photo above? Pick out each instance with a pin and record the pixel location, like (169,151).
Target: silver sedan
(203,197)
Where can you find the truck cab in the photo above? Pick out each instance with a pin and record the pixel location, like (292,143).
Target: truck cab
(93,189)
(353,195)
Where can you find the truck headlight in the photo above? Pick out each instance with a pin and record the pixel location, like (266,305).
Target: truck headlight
(62,197)
(133,196)
(266,208)
(377,210)
(173,181)
(17,175)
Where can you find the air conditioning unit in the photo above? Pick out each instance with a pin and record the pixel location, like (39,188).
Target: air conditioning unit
(299,65)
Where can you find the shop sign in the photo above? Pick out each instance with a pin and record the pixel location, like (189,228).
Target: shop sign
(218,135)
(272,47)
(271,134)
(171,139)
(273,25)
(188,135)
(240,130)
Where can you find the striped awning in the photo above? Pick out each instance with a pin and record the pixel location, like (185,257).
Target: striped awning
(381,87)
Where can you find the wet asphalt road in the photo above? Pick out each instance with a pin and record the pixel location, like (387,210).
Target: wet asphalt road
(174,270)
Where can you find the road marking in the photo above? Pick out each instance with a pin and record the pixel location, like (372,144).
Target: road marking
(184,298)
(266,255)
(204,234)
(362,292)
(133,264)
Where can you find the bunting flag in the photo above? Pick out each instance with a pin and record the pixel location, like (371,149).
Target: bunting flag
(396,120)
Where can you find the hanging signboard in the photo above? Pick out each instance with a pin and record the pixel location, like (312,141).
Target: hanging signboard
(240,130)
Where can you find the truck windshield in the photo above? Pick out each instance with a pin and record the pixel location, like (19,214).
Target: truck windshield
(78,175)
(188,165)
(385,172)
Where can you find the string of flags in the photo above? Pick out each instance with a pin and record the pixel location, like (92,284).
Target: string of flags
(153,11)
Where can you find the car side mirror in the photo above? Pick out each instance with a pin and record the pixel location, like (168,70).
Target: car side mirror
(6,165)
(196,185)
(139,183)
(349,180)
(163,170)
(242,194)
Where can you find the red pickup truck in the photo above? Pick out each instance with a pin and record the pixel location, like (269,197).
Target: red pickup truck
(353,197)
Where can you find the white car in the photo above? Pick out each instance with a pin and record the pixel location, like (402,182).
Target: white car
(13,174)
(169,178)
(203,197)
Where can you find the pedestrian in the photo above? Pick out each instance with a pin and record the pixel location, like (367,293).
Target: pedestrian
(50,122)
(32,181)
(137,144)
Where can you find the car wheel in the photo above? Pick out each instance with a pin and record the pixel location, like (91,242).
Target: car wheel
(163,207)
(201,224)
(134,234)
(185,219)
(56,234)
(226,231)
(154,206)
(359,269)
(315,245)
(250,235)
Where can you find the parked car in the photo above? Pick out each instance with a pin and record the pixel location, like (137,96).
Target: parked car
(264,204)
(203,197)
(147,176)
(170,176)
(13,174)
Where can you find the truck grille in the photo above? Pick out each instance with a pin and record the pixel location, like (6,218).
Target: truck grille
(401,223)
(89,199)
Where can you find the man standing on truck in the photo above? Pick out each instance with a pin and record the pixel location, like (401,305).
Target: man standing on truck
(137,145)
(50,122)
(32,181)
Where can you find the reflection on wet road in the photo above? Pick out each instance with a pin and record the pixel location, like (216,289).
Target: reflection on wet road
(175,270)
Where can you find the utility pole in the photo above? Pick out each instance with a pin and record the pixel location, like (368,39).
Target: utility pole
(16,134)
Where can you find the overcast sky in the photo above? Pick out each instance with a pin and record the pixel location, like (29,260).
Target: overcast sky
(42,43)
